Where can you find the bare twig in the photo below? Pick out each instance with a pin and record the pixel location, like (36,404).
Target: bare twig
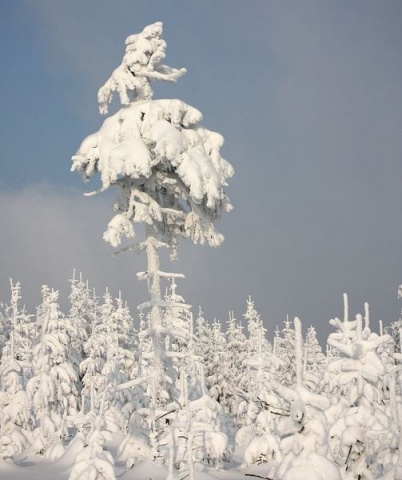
(257,476)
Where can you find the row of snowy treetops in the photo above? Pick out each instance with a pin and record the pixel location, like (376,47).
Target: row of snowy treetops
(174,387)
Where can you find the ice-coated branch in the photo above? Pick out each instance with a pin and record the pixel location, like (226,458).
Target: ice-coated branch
(132,383)
(168,275)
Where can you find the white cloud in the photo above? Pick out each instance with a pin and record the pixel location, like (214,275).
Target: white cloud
(47,233)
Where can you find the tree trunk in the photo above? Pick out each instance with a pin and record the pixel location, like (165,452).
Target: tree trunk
(154,291)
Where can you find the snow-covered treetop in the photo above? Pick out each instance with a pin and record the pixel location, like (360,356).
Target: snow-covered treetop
(140,65)
(157,145)
(168,167)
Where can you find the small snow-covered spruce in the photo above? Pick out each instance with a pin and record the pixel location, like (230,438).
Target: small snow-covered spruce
(314,361)
(202,335)
(110,363)
(15,411)
(285,350)
(106,361)
(144,345)
(127,335)
(4,334)
(395,328)
(15,370)
(4,328)
(216,374)
(255,327)
(304,434)
(396,381)
(236,353)
(257,436)
(195,436)
(82,315)
(168,167)
(177,319)
(257,343)
(53,388)
(94,462)
(360,415)
(188,360)
(178,324)
(23,326)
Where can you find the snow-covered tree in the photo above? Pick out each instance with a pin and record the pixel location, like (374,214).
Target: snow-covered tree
(236,345)
(358,384)
(178,321)
(256,438)
(4,334)
(304,433)
(285,350)
(94,462)
(314,360)
(53,388)
(21,324)
(16,420)
(395,329)
(216,374)
(16,369)
(202,334)
(82,315)
(168,168)
(196,435)
(107,362)
(255,328)
(127,335)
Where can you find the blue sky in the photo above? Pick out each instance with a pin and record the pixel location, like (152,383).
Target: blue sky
(308,97)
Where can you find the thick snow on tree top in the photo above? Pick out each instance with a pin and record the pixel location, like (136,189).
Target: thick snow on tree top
(140,65)
(159,141)
(148,133)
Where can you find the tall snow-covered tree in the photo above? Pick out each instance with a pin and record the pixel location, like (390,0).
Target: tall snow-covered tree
(168,168)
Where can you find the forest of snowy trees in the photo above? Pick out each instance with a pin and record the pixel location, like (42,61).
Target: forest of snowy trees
(99,392)
(83,383)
